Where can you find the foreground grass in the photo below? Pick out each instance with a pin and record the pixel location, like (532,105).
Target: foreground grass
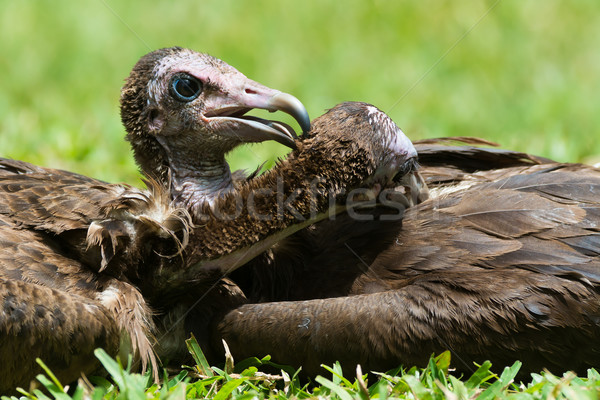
(246,381)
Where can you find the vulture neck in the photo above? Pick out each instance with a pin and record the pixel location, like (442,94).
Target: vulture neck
(196,182)
(198,173)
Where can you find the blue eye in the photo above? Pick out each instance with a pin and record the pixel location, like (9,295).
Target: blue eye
(185,88)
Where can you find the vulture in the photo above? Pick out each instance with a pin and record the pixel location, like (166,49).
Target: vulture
(501,262)
(68,243)
(87,264)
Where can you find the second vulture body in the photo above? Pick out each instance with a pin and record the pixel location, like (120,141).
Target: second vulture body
(501,263)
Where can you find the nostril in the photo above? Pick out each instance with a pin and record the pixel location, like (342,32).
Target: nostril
(250,91)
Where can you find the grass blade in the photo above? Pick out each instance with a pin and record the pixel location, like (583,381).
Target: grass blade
(229,387)
(339,391)
(199,358)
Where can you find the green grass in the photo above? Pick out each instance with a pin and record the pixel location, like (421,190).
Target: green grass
(246,381)
(526,74)
(523,73)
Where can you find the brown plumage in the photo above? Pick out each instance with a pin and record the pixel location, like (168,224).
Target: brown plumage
(110,265)
(502,262)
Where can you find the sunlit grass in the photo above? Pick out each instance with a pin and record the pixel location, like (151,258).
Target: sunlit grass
(246,380)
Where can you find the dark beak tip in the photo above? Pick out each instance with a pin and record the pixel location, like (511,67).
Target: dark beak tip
(305,125)
(292,106)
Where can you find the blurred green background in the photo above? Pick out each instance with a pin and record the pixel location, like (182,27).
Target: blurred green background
(525,73)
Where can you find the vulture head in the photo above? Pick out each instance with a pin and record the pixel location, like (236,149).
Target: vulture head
(362,135)
(184,110)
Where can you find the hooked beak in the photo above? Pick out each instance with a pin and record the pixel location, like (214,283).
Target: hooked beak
(230,119)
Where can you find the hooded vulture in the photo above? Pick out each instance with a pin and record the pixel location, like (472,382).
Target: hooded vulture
(87,264)
(501,263)
(68,242)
